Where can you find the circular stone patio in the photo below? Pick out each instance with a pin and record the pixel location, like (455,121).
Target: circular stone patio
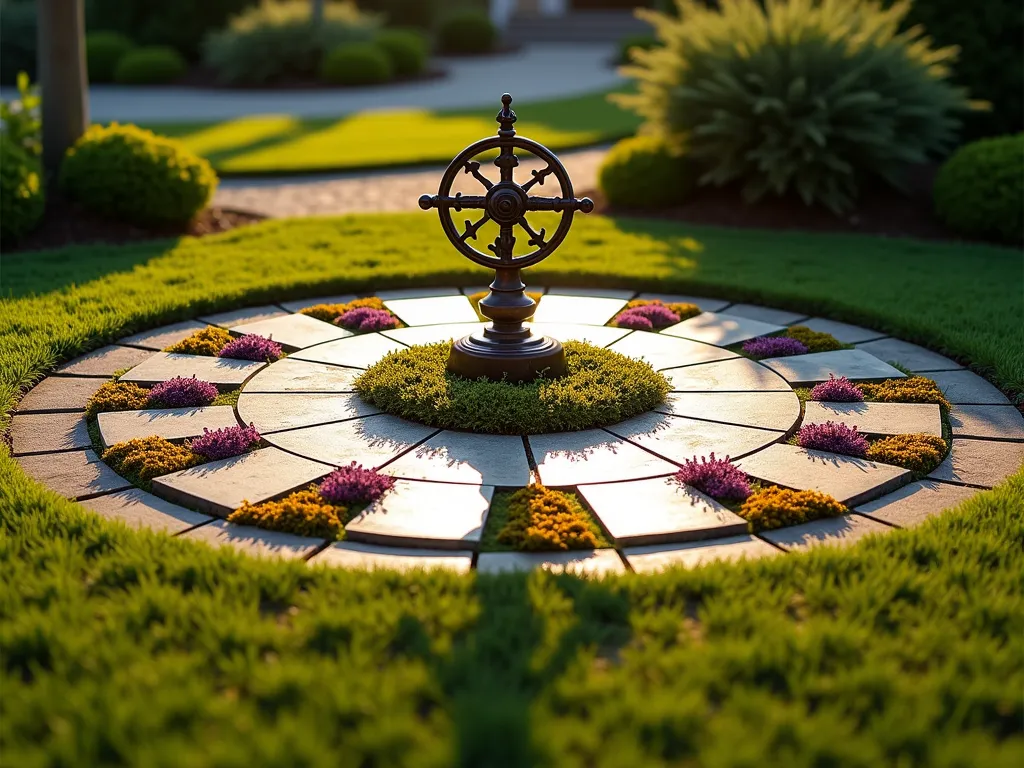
(305,409)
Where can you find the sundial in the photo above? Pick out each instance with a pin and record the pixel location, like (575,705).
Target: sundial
(506,348)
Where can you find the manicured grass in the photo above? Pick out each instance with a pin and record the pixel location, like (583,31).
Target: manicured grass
(272,144)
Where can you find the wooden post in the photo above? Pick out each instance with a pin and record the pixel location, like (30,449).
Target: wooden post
(317,14)
(63,80)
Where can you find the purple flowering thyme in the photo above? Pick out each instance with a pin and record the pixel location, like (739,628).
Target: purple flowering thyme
(226,442)
(252,347)
(834,437)
(181,392)
(840,390)
(367,319)
(774,346)
(353,483)
(718,478)
(631,318)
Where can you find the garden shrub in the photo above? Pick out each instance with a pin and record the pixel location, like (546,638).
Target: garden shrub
(474,299)
(18,40)
(149,66)
(117,396)
(303,513)
(130,173)
(601,387)
(182,392)
(405,48)
(645,172)
(642,42)
(979,191)
(142,459)
(353,484)
(918,453)
(542,520)
(22,118)
(253,347)
(815,341)
(411,13)
(775,507)
(913,389)
(717,478)
(357,64)
(773,346)
(103,52)
(22,199)
(800,96)
(225,442)
(466,31)
(208,341)
(840,390)
(834,437)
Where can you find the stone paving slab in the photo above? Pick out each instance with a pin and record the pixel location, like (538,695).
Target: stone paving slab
(999,422)
(47,432)
(168,423)
(163,337)
(253,541)
(842,332)
(662,351)
(705,304)
(277,412)
(659,510)
(356,352)
(764,410)
(416,293)
(850,480)
(370,441)
(577,309)
(854,364)
(433,310)
(736,375)
(679,439)
(914,503)
(244,315)
(60,393)
(598,335)
(592,456)
(433,334)
(465,457)
(220,487)
(766,314)
(721,329)
(105,361)
(879,418)
(980,462)
(293,332)
(965,387)
(291,375)
(600,293)
(225,373)
(299,305)
(658,557)
(348,554)
(74,474)
(138,509)
(918,359)
(835,531)
(583,562)
(430,515)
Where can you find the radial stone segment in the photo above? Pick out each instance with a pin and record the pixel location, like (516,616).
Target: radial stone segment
(506,348)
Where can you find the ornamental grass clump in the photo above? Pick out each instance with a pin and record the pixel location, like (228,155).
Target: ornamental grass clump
(840,390)
(142,459)
(209,341)
(913,389)
(367,320)
(225,442)
(918,453)
(815,341)
(303,513)
(352,484)
(718,478)
(181,392)
(117,396)
(253,347)
(775,507)
(773,346)
(834,437)
(542,520)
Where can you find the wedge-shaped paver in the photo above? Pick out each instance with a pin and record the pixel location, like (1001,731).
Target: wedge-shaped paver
(220,487)
(168,423)
(659,510)
(997,422)
(662,351)
(598,335)
(301,304)
(290,410)
(253,541)
(842,332)
(765,410)
(592,456)
(736,375)
(834,531)
(465,457)
(105,361)
(291,375)
(293,332)
(138,509)
(433,310)
(433,334)
(879,418)
(430,515)
(967,388)
(225,373)
(854,364)
(74,474)
(917,359)
(350,554)
(46,432)
(679,439)
(705,304)
(980,462)
(371,441)
(914,503)
(577,309)
(721,329)
(852,481)
(766,315)
(356,352)
(244,315)
(600,293)
(583,562)
(60,393)
(163,337)
(658,557)
(416,293)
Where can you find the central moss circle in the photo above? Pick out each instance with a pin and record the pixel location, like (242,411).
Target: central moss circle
(601,387)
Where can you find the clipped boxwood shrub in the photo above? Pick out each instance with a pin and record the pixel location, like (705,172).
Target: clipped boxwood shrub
(129,172)
(149,66)
(979,191)
(22,199)
(357,64)
(406,48)
(466,31)
(103,52)
(645,172)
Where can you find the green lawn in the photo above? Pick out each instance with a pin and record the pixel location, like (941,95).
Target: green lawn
(273,144)
(120,647)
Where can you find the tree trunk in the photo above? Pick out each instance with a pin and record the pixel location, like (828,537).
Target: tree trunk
(317,14)
(62,78)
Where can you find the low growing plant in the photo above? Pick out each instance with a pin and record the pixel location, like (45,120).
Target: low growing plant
(142,459)
(834,437)
(303,513)
(775,507)
(815,341)
(840,390)
(367,320)
(22,197)
(181,392)
(918,453)
(225,442)
(718,478)
(406,48)
(357,64)
(352,484)
(117,396)
(646,172)
(154,65)
(253,347)
(913,389)
(209,341)
(773,346)
(542,520)
(330,313)
(646,315)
